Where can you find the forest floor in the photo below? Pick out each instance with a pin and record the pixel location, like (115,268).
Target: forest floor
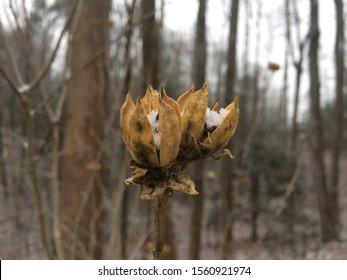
(285,236)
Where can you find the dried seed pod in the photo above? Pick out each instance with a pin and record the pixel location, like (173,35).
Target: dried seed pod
(126,111)
(141,140)
(150,100)
(173,104)
(152,128)
(224,131)
(169,127)
(183,98)
(194,114)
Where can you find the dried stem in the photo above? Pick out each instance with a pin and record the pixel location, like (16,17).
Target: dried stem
(159,206)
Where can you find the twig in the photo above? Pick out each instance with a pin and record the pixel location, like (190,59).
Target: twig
(15,136)
(291,185)
(10,81)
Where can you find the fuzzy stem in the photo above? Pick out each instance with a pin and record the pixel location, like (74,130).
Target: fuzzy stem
(159,206)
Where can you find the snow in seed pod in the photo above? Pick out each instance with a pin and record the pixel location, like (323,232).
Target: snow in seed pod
(213,118)
(154,122)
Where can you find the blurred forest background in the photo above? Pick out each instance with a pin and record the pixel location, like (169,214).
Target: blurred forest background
(65,68)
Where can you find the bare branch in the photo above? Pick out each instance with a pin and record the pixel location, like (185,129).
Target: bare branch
(48,64)
(9,79)
(11,55)
(15,136)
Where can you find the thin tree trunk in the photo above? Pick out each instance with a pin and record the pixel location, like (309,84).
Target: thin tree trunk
(227,165)
(82,186)
(126,88)
(328,229)
(150,44)
(3,173)
(283,103)
(129,34)
(255,211)
(243,100)
(256,94)
(199,60)
(298,69)
(199,75)
(339,119)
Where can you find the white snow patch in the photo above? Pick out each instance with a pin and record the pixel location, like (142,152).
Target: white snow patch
(154,122)
(214,118)
(23,88)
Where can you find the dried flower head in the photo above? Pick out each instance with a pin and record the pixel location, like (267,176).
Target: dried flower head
(163,136)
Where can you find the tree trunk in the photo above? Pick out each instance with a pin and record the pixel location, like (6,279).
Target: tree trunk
(298,69)
(199,75)
(284,98)
(244,104)
(227,164)
(150,44)
(3,172)
(328,230)
(339,119)
(255,206)
(128,35)
(82,185)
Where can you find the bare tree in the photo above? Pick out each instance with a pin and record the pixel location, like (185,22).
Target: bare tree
(328,229)
(298,64)
(227,165)
(339,101)
(150,45)
(82,186)
(284,96)
(24,92)
(2,158)
(119,213)
(199,75)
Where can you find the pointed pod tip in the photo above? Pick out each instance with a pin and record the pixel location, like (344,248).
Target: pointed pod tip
(204,88)
(128,96)
(138,102)
(163,92)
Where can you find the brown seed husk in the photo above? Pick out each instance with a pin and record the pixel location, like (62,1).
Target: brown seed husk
(169,128)
(126,111)
(193,119)
(141,140)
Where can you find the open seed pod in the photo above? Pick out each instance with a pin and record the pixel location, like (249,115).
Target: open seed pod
(151,129)
(220,127)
